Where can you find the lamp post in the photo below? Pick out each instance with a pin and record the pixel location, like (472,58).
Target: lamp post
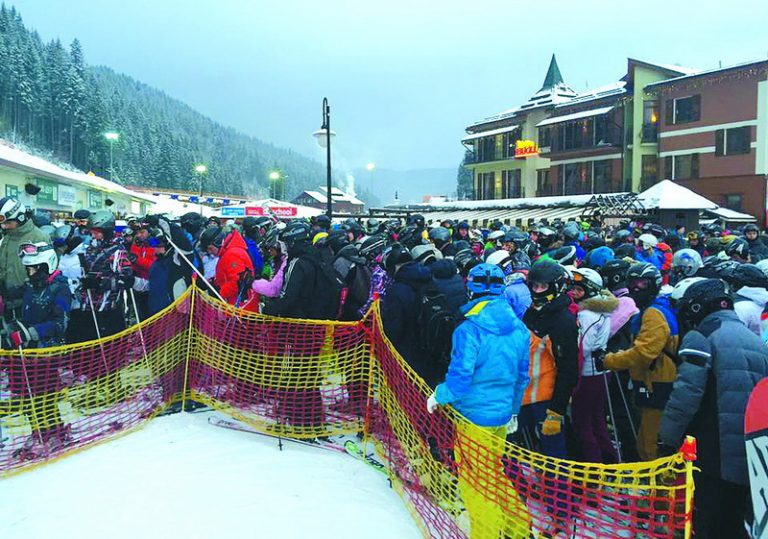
(112,137)
(274,177)
(370,167)
(323,136)
(201,171)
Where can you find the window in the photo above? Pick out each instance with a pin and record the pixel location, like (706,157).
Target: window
(576,178)
(601,130)
(486,186)
(545,136)
(733,202)
(733,141)
(543,185)
(511,183)
(509,143)
(601,172)
(650,112)
(682,167)
(486,150)
(683,110)
(578,134)
(649,174)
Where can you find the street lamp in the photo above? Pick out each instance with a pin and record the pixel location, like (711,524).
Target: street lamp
(201,171)
(112,137)
(274,176)
(323,136)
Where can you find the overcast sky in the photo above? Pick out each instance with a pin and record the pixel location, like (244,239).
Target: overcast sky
(404,77)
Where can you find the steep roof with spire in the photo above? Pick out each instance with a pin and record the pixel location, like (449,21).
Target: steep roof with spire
(554,92)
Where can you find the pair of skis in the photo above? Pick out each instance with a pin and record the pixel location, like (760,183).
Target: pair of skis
(350,447)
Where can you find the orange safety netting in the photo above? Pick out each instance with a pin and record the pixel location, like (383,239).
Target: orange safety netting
(304,379)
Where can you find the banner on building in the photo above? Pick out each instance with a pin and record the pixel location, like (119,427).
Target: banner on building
(95,200)
(67,195)
(258,211)
(48,192)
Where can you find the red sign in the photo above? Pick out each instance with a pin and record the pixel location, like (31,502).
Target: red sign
(280,211)
(526,148)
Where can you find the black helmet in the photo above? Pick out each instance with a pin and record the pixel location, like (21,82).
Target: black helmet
(565,255)
(593,241)
(322,221)
(621,236)
(213,235)
(337,240)
(103,220)
(353,227)
(614,273)
(447,223)
(643,282)
(571,232)
(553,275)
(751,227)
(463,224)
(192,222)
(394,255)
(625,250)
(440,235)
(546,237)
(372,225)
(497,225)
(747,275)
(295,232)
(738,247)
(373,246)
(81,214)
(656,230)
(251,228)
(410,237)
(416,219)
(703,298)
(465,260)
(41,218)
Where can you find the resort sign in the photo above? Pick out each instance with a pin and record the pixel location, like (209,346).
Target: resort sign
(526,148)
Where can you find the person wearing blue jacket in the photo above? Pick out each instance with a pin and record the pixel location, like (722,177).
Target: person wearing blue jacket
(486,379)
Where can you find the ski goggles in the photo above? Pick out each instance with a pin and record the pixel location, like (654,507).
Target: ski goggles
(639,284)
(30,249)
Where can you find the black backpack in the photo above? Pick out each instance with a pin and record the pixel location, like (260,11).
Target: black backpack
(359,288)
(330,291)
(436,322)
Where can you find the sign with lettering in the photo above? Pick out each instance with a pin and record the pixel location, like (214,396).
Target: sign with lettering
(11,191)
(258,211)
(95,200)
(48,192)
(526,148)
(67,195)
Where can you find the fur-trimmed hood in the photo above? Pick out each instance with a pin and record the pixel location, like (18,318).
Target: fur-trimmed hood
(604,302)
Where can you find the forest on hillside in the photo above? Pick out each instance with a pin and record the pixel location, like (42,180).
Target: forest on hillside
(51,100)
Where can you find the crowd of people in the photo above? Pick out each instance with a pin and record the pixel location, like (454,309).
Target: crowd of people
(578,340)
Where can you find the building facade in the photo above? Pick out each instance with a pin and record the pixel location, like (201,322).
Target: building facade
(342,202)
(706,130)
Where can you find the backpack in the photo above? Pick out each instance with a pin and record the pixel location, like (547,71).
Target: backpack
(436,323)
(330,292)
(359,288)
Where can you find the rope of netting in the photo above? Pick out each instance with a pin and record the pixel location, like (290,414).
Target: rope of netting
(306,379)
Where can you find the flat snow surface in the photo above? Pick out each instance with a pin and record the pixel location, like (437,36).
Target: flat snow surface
(182,477)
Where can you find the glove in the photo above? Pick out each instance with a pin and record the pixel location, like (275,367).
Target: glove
(125,281)
(91,281)
(245,280)
(21,336)
(512,425)
(432,403)
(553,424)
(664,450)
(598,356)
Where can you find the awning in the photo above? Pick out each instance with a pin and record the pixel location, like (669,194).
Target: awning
(574,116)
(489,133)
(730,216)
(479,217)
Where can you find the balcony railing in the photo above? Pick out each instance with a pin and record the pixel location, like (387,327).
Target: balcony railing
(497,156)
(649,133)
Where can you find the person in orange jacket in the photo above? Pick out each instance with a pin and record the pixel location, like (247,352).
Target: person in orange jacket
(142,255)
(234,266)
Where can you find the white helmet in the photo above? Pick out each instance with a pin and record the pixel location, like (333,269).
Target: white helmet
(649,241)
(34,254)
(687,262)
(496,235)
(679,290)
(497,257)
(589,280)
(11,209)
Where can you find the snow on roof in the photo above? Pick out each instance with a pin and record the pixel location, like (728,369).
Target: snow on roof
(614,88)
(337,195)
(668,195)
(574,116)
(15,158)
(490,133)
(177,208)
(705,73)
(670,67)
(727,214)
(512,203)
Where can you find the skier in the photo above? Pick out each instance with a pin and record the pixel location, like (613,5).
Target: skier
(722,361)
(485,382)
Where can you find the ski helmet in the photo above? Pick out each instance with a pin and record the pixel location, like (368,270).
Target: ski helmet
(466,259)
(296,232)
(103,220)
(681,287)
(701,299)
(372,225)
(39,254)
(550,274)
(747,275)
(373,246)
(395,255)
(440,236)
(686,262)
(546,237)
(643,282)
(738,247)
(654,229)
(485,279)
(426,254)
(621,236)
(12,210)
(565,255)
(588,280)
(614,273)
(597,258)
(416,220)
(762,265)
(213,235)
(648,241)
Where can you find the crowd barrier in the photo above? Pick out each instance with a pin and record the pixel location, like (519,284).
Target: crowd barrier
(304,379)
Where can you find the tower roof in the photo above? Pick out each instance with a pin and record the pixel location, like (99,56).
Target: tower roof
(553,77)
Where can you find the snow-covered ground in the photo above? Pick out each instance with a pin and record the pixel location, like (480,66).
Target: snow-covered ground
(182,477)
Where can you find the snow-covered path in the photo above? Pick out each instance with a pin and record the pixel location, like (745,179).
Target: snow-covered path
(182,477)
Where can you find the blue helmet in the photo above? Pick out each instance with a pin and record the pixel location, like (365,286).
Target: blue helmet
(486,279)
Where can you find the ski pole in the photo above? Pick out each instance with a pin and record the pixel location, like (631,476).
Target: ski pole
(31,397)
(98,332)
(197,271)
(138,325)
(613,418)
(626,406)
